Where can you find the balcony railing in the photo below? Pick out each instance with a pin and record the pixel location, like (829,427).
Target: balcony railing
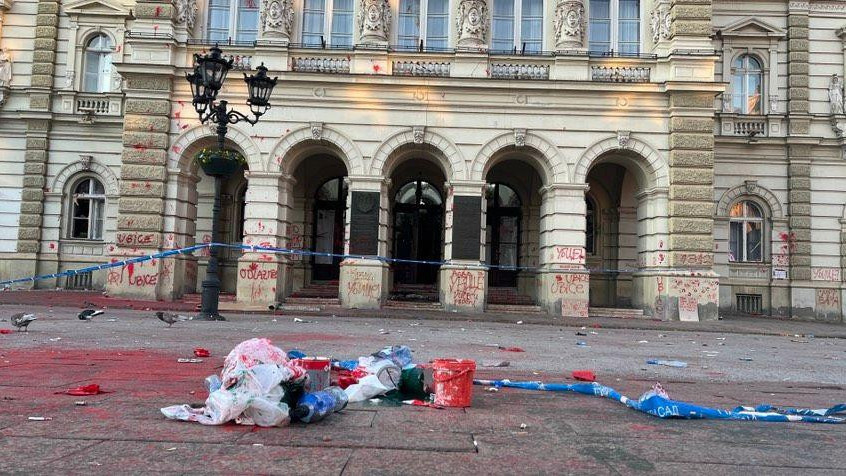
(519,71)
(421,68)
(750,127)
(97,104)
(320,65)
(620,74)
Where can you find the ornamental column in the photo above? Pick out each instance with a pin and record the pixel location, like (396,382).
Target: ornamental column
(464,279)
(264,277)
(364,280)
(276,20)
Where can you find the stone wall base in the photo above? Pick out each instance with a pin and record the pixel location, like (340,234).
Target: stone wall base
(671,296)
(463,288)
(564,292)
(146,280)
(261,279)
(363,283)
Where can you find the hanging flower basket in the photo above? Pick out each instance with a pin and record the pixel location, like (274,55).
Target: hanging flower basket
(221,163)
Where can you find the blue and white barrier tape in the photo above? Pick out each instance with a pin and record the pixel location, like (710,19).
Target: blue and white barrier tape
(299,252)
(656,402)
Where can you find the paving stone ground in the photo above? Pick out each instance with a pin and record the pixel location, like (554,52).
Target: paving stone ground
(134,357)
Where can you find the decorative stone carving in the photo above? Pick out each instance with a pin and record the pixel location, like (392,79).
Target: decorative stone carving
(85,162)
(835,94)
(472,23)
(419,133)
(569,24)
(520,137)
(374,21)
(186,12)
(623,138)
(751,186)
(276,19)
(69,79)
(317,130)
(660,23)
(727,105)
(773,103)
(5,68)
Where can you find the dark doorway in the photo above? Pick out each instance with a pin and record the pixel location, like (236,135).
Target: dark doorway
(418,224)
(503,220)
(330,206)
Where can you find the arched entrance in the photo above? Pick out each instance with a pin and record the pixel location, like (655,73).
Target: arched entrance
(418,225)
(330,206)
(503,234)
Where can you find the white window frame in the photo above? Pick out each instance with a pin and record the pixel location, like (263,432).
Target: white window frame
(614,37)
(745,73)
(233,20)
(92,217)
(104,76)
(517,43)
(424,25)
(743,220)
(328,11)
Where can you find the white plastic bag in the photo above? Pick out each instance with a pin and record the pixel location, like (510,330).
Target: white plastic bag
(366,388)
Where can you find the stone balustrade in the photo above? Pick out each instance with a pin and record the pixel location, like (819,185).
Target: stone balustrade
(620,74)
(421,68)
(750,127)
(519,71)
(320,65)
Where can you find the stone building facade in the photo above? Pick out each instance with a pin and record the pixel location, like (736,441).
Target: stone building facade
(679,157)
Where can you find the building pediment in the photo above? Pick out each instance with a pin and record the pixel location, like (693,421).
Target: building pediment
(95,8)
(751,28)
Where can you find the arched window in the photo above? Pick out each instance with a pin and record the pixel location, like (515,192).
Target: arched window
(590,226)
(418,193)
(746,84)
(614,26)
(240,26)
(98,65)
(86,209)
(747,231)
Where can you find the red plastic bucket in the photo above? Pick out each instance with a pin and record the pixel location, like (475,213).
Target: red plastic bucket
(453,382)
(317,369)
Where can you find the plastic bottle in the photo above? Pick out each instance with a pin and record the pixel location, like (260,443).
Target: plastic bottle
(213,383)
(668,363)
(399,354)
(316,406)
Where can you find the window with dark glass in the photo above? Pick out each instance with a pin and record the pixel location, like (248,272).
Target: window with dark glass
(87,208)
(746,84)
(746,232)
(517,24)
(590,224)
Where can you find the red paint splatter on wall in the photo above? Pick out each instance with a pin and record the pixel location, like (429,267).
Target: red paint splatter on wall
(139,147)
(158,12)
(376,68)
(176,149)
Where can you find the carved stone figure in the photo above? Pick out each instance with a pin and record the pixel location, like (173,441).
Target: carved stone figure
(419,133)
(276,19)
(186,12)
(316,130)
(519,137)
(623,138)
(472,23)
(374,21)
(5,68)
(835,94)
(569,24)
(660,23)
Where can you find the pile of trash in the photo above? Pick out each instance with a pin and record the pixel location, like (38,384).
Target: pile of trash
(261,384)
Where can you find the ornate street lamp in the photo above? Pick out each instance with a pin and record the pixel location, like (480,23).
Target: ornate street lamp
(209,74)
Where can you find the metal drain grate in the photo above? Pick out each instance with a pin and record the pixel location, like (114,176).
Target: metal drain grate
(749,303)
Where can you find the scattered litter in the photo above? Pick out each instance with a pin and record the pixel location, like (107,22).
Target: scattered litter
(83,390)
(495,363)
(643,342)
(594,333)
(296,354)
(297,319)
(584,375)
(39,418)
(55,339)
(519,322)
(171,449)
(668,363)
(492,389)
(596,326)
(80,403)
(421,403)
(798,341)
(721,338)
(511,349)
(746,359)
(582,344)
(383,331)
(657,403)
(580,334)
(111,320)
(189,361)
(257,444)
(5,331)
(523,426)
(201,352)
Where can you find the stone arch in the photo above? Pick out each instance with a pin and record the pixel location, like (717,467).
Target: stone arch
(649,160)
(752,189)
(350,154)
(178,160)
(553,168)
(452,159)
(110,180)
(87,34)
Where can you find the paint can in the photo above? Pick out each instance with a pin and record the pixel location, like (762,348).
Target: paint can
(317,369)
(453,382)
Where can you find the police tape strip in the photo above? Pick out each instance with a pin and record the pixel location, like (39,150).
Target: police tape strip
(299,252)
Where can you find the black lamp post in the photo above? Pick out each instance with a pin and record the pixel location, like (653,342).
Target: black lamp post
(206,80)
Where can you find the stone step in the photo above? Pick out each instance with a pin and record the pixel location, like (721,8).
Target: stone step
(514,308)
(312,301)
(426,306)
(621,313)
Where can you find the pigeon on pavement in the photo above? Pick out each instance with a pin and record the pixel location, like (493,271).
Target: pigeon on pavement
(22,320)
(170,317)
(87,314)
